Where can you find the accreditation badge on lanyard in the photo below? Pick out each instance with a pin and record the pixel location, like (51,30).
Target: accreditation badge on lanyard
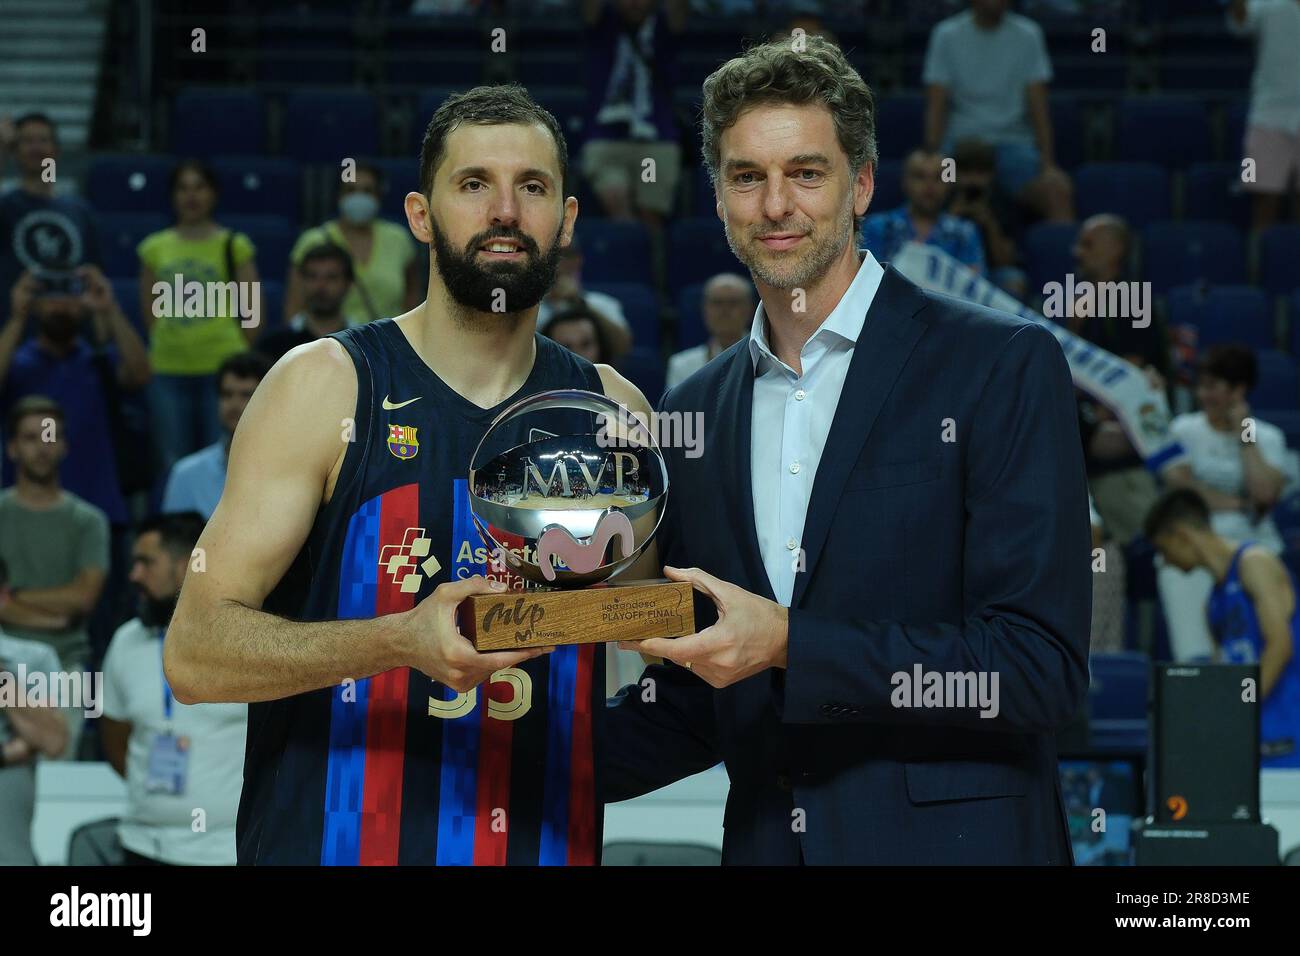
(169,754)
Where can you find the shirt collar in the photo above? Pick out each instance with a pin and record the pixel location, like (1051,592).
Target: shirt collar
(845,321)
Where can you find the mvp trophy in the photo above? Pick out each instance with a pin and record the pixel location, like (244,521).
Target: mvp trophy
(565,512)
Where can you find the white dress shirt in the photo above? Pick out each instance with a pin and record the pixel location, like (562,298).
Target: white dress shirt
(791,420)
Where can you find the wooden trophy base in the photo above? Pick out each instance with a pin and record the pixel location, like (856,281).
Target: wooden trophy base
(617,612)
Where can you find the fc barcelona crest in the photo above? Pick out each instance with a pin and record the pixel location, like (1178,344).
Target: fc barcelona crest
(401,441)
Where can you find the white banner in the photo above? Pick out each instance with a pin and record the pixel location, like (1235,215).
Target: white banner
(1122,387)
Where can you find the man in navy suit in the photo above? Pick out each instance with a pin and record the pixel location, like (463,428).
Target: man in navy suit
(889,515)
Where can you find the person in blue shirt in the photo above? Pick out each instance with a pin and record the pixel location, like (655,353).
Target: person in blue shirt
(1252,612)
(196,481)
(922,219)
(43,229)
(81,350)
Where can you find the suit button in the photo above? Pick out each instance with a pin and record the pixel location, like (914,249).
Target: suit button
(783,782)
(828,710)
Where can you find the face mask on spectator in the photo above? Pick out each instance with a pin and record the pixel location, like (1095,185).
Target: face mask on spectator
(358,208)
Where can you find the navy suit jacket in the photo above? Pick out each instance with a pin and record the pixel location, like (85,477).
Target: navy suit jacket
(947,527)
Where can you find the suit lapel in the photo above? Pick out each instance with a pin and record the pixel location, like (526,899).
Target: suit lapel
(887,338)
(732,418)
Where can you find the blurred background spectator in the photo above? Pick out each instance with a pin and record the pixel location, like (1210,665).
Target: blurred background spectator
(180,761)
(987,72)
(27,733)
(385,275)
(1144,141)
(922,218)
(54,544)
(728,307)
(196,481)
(1273,126)
(1238,464)
(324,276)
(568,292)
(579,331)
(186,348)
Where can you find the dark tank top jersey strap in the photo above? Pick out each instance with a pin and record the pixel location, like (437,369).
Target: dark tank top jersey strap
(397,768)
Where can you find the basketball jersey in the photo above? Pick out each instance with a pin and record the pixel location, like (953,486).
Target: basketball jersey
(1236,627)
(398,768)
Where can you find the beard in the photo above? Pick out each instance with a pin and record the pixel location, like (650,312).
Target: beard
(487,288)
(795,269)
(155,612)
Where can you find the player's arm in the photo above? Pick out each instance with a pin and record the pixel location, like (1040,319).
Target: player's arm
(625,393)
(1266,581)
(221,646)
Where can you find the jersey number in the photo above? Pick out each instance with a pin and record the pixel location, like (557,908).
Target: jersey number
(520,702)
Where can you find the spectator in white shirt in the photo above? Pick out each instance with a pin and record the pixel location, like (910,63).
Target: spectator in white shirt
(986,74)
(728,308)
(183,764)
(1273,126)
(1239,465)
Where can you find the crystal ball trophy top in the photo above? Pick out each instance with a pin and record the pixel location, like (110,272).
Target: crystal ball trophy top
(567,513)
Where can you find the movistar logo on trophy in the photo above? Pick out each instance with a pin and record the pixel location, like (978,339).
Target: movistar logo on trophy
(563,509)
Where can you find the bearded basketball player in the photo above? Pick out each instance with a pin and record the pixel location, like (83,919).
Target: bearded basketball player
(376,733)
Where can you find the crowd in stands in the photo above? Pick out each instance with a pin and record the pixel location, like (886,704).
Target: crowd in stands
(121,392)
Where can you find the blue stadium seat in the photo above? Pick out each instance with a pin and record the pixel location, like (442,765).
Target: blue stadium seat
(258,185)
(400,176)
(1279,259)
(273,236)
(889,187)
(1213,191)
(900,124)
(1117,689)
(1293,322)
(1068,124)
(1048,251)
(120,233)
(690,317)
(127,293)
(1286,513)
(130,183)
(616,252)
(1236,313)
(1277,386)
(703,199)
(1234,131)
(1170,131)
(568,104)
(1176,253)
(647,371)
(640,308)
(1288,420)
(697,250)
(426,104)
(273,304)
(325,126)
(207,122)
(1137,191)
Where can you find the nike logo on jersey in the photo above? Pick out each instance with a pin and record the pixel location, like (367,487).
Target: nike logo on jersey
(389,406)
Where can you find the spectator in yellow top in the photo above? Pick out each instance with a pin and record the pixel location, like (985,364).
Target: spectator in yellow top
(201,302)
(385,277)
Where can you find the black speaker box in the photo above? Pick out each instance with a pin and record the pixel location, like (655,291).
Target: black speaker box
(1205,740)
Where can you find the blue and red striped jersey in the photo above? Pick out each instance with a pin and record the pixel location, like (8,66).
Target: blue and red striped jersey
(397,768)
